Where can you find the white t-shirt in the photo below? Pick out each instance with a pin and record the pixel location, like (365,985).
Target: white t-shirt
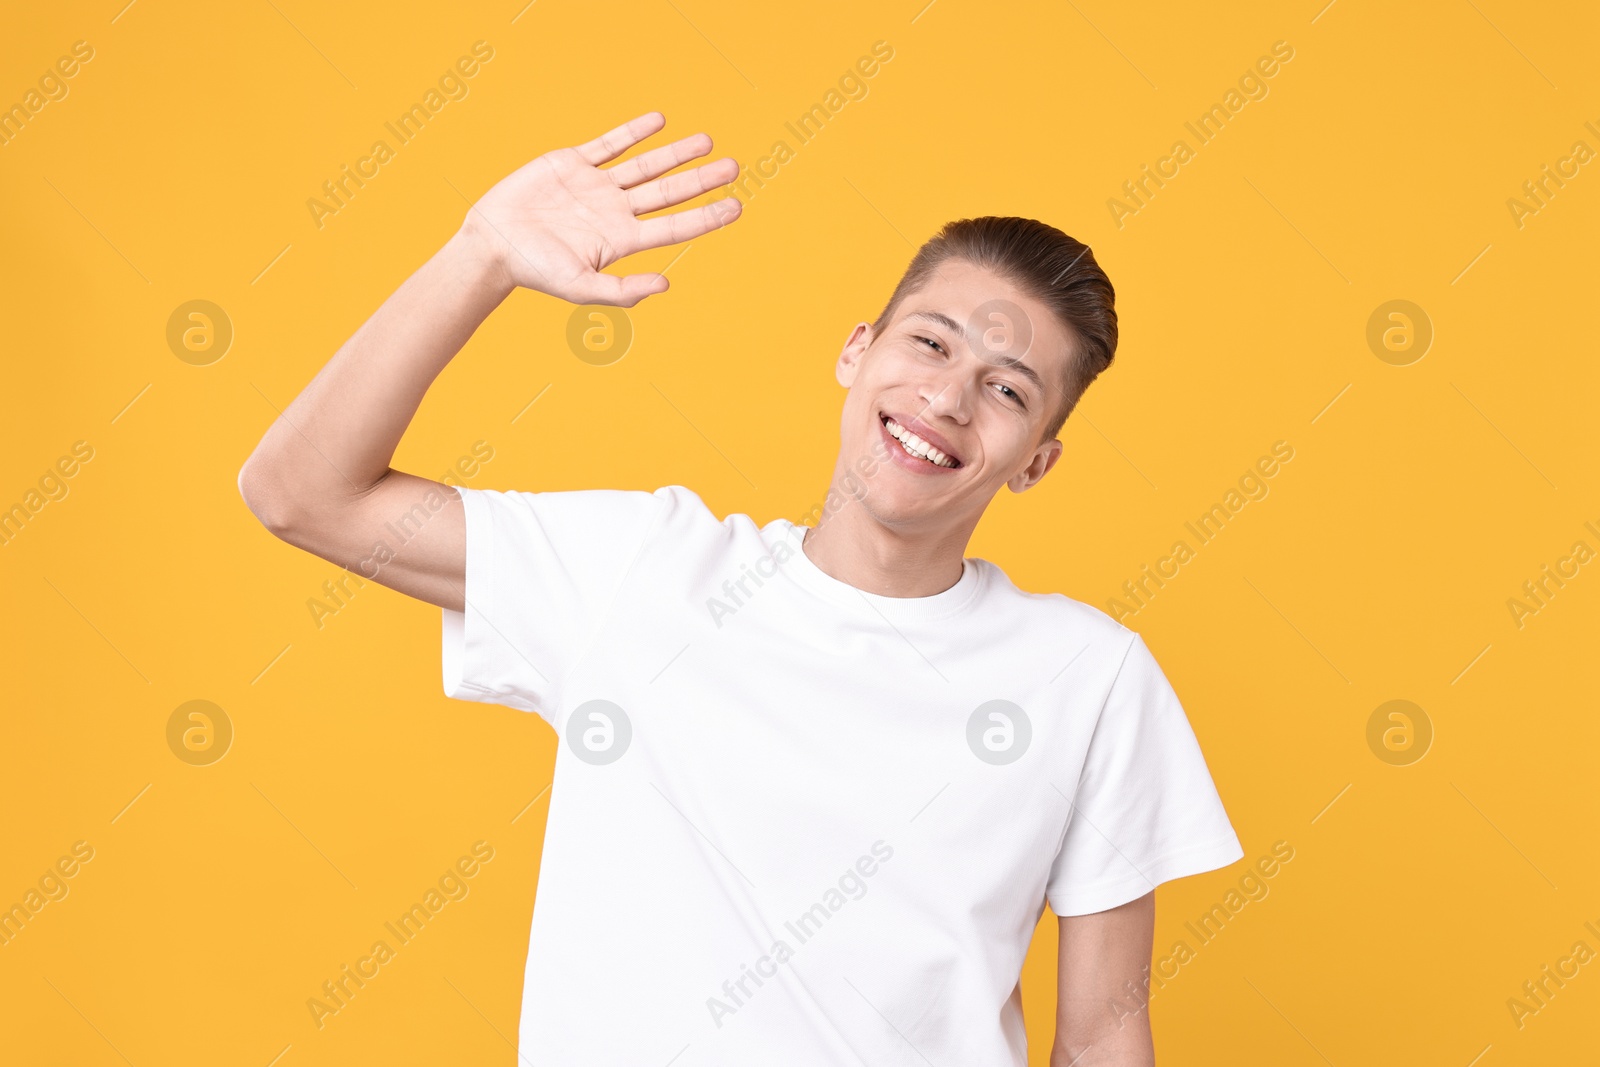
(793,822)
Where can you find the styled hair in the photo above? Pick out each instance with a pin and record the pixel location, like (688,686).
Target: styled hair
(1056,269)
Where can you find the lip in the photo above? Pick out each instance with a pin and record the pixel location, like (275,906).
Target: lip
(923,431)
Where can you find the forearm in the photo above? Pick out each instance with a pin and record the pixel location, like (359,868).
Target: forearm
(1131,1045)
(336,439)
(1102,1009)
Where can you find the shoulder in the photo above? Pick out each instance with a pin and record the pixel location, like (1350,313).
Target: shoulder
(679,503)
(683,520)
(1058,613)
(681,506)
(1059,630)
(672,514)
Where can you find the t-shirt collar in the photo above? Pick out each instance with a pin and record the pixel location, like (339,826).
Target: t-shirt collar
(805,573)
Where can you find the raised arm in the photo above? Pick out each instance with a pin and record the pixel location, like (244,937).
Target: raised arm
(320,478)
(1101,988)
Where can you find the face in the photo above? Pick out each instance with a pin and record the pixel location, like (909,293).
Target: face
(974,367)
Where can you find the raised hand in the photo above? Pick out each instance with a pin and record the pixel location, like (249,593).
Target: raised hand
(556,223)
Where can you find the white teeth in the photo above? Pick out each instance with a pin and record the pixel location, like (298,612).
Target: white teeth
(916,446)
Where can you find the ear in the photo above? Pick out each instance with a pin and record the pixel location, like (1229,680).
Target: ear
(855,346)
(1043,459)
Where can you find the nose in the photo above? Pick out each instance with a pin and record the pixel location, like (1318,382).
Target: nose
(944,396)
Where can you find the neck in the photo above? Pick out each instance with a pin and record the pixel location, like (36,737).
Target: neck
(852,546)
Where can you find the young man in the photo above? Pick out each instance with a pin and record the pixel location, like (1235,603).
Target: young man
(815,784)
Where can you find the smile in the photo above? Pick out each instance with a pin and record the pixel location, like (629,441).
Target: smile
(917,447)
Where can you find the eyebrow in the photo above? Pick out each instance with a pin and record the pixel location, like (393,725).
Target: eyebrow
(939,318)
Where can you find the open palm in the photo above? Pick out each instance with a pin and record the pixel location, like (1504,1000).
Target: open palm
(556,223)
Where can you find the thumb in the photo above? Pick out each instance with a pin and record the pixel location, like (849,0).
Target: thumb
(625,291)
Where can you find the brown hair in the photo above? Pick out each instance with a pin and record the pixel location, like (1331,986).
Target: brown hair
(1045,263)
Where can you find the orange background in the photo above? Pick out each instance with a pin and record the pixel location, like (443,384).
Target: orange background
(1378,166)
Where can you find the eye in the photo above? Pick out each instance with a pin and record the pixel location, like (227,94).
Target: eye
(1012,393)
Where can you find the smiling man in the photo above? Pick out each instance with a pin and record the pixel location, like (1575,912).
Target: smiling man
(819,825)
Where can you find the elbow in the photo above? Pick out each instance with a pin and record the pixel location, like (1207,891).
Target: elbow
(263,492)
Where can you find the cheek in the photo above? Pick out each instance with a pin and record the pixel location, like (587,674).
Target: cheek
(1007,444)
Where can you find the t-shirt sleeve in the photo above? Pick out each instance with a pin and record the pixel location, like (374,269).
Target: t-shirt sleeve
(1146,809)
(543,570)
